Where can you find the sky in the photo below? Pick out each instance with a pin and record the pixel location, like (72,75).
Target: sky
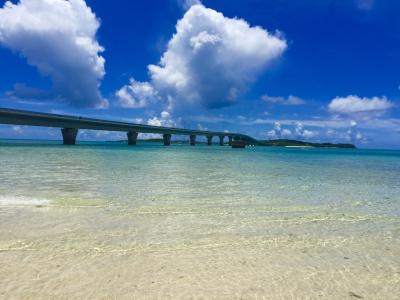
(320,71)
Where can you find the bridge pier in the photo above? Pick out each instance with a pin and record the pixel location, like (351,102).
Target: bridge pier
(230,140)
(209,140)
(132,137)
(221,140)
(69,135)
(167,139)
(192,140)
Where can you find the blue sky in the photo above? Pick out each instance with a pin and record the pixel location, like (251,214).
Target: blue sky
(311,70)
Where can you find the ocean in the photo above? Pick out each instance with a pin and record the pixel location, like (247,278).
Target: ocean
(108,221)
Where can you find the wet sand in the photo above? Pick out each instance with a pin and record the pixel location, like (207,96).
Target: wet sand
(51,252)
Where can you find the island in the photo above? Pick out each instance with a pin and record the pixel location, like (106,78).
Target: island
(295,143)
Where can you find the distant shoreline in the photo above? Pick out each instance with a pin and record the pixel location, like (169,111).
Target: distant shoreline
(264,143)
(273,143)
(301,144)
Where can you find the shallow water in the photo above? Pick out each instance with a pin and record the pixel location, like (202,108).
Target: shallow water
(111,221)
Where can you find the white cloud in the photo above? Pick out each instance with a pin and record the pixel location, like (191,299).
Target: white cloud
(136,94)
(290,100)
(340,124)
(301,132)
(212,59)
(299,129)
(308,134)
(278,132)
(354,105)
(353,134)
(165,120)
(58,37)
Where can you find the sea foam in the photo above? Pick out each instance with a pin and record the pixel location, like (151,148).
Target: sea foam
(22,201)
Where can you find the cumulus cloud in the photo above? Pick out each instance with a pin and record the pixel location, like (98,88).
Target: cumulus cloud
(290,100)
(165,120)
(299,129)
(58,37)
(301,132)
(353,134)
(212,59)
(136,94)
(278,132)
(354,105)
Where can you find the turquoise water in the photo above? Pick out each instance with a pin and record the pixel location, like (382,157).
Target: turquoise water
(325,219)
(117,175)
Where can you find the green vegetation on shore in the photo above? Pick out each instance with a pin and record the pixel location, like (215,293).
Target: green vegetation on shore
(294,143)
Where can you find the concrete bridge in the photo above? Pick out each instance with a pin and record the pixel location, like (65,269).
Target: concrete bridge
(70,125)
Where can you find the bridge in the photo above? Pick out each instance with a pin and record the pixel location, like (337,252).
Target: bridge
(70,126)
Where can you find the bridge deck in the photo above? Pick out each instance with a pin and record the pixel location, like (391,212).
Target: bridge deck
(20,117)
